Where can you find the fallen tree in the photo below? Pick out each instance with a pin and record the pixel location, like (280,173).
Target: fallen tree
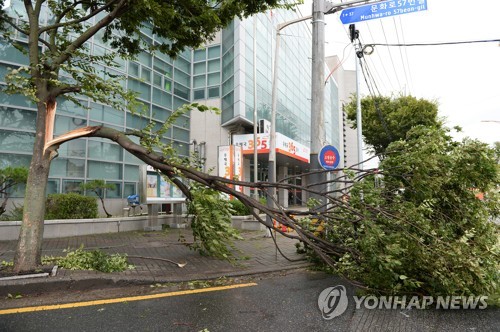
(412,226)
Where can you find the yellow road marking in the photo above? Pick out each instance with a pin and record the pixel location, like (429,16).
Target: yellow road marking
(121,299)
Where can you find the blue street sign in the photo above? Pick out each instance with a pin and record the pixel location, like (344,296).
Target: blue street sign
(381,10)
(329,157)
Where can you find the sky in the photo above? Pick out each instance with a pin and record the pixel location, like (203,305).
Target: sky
(463,79)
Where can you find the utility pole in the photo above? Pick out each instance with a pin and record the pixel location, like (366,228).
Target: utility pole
(318,133)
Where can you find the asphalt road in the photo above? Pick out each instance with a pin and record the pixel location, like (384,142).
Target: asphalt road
(279,303)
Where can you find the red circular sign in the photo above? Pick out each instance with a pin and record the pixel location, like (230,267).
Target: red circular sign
(330,158)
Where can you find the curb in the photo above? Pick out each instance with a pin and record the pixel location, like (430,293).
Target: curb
(93,282)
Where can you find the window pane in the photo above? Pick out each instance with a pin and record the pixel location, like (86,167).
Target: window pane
(14,160)
(214,52)
(199,55)
(182,78)
(181,91)
(128,189)
(213,79)
(199,68)
(102,170)
(16,141)
(181,134)
(71,186)
(75,148)
(116,192)
(163,67)
(137,122)
(157,79)
(183,65)
(199,81)
(52,186)
(213,65)
(145,59)
(131,173)
(133,69)
(17,119)
(65,124)
(106,114)
(198,94)
(162,98)
(70,108)
(65,167)
(146,75)
(104,151)
(213,92)
(161,113)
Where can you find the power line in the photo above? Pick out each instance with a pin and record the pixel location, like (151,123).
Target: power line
(401,52)
(438,44)
(406,53)
(390,56)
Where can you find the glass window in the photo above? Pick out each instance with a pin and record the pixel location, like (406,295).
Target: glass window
(181,91)
(65,124)
(104,151)
(213,65)
(131,173)
(213,79)
(183,65)
(130,158)
(213,92)
(156,79)
(106,114)
(133,69)
(70,108)
(214,52)
(72,186)
(74,148)
(116,192)
(182,78)
(162,98)
(199,55)
(66,167)
(198,94)
(16,141)
(200,68)
(145,59)
(102,170)
(161,113)
(137,122)
(162,67)
(17,100)
(146,75)
(199,81)
(17,191)
(168,85)
(181,134)
(52,186)
(17,119)
(178,103)
(128,189)
(14,160)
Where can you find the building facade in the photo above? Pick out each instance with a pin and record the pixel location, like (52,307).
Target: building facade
(221,74)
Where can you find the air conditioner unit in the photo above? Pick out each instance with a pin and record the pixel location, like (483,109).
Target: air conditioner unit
(264,126)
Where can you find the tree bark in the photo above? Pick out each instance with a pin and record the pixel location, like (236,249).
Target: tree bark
(29,245)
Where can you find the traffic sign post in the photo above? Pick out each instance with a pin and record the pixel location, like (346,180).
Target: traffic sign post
(329,157)
(381,10)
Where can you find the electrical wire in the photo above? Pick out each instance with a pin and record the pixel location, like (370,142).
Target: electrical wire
(390,56)
(438,43)
(406,54)
(381,63)
(341,62)
(401,53)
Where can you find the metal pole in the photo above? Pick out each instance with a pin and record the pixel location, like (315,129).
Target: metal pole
(359,123)
(272,136)
(255,156)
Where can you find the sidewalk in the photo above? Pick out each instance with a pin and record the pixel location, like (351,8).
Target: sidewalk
(259,256)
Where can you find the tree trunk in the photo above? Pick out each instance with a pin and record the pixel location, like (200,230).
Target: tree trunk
(29,246)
